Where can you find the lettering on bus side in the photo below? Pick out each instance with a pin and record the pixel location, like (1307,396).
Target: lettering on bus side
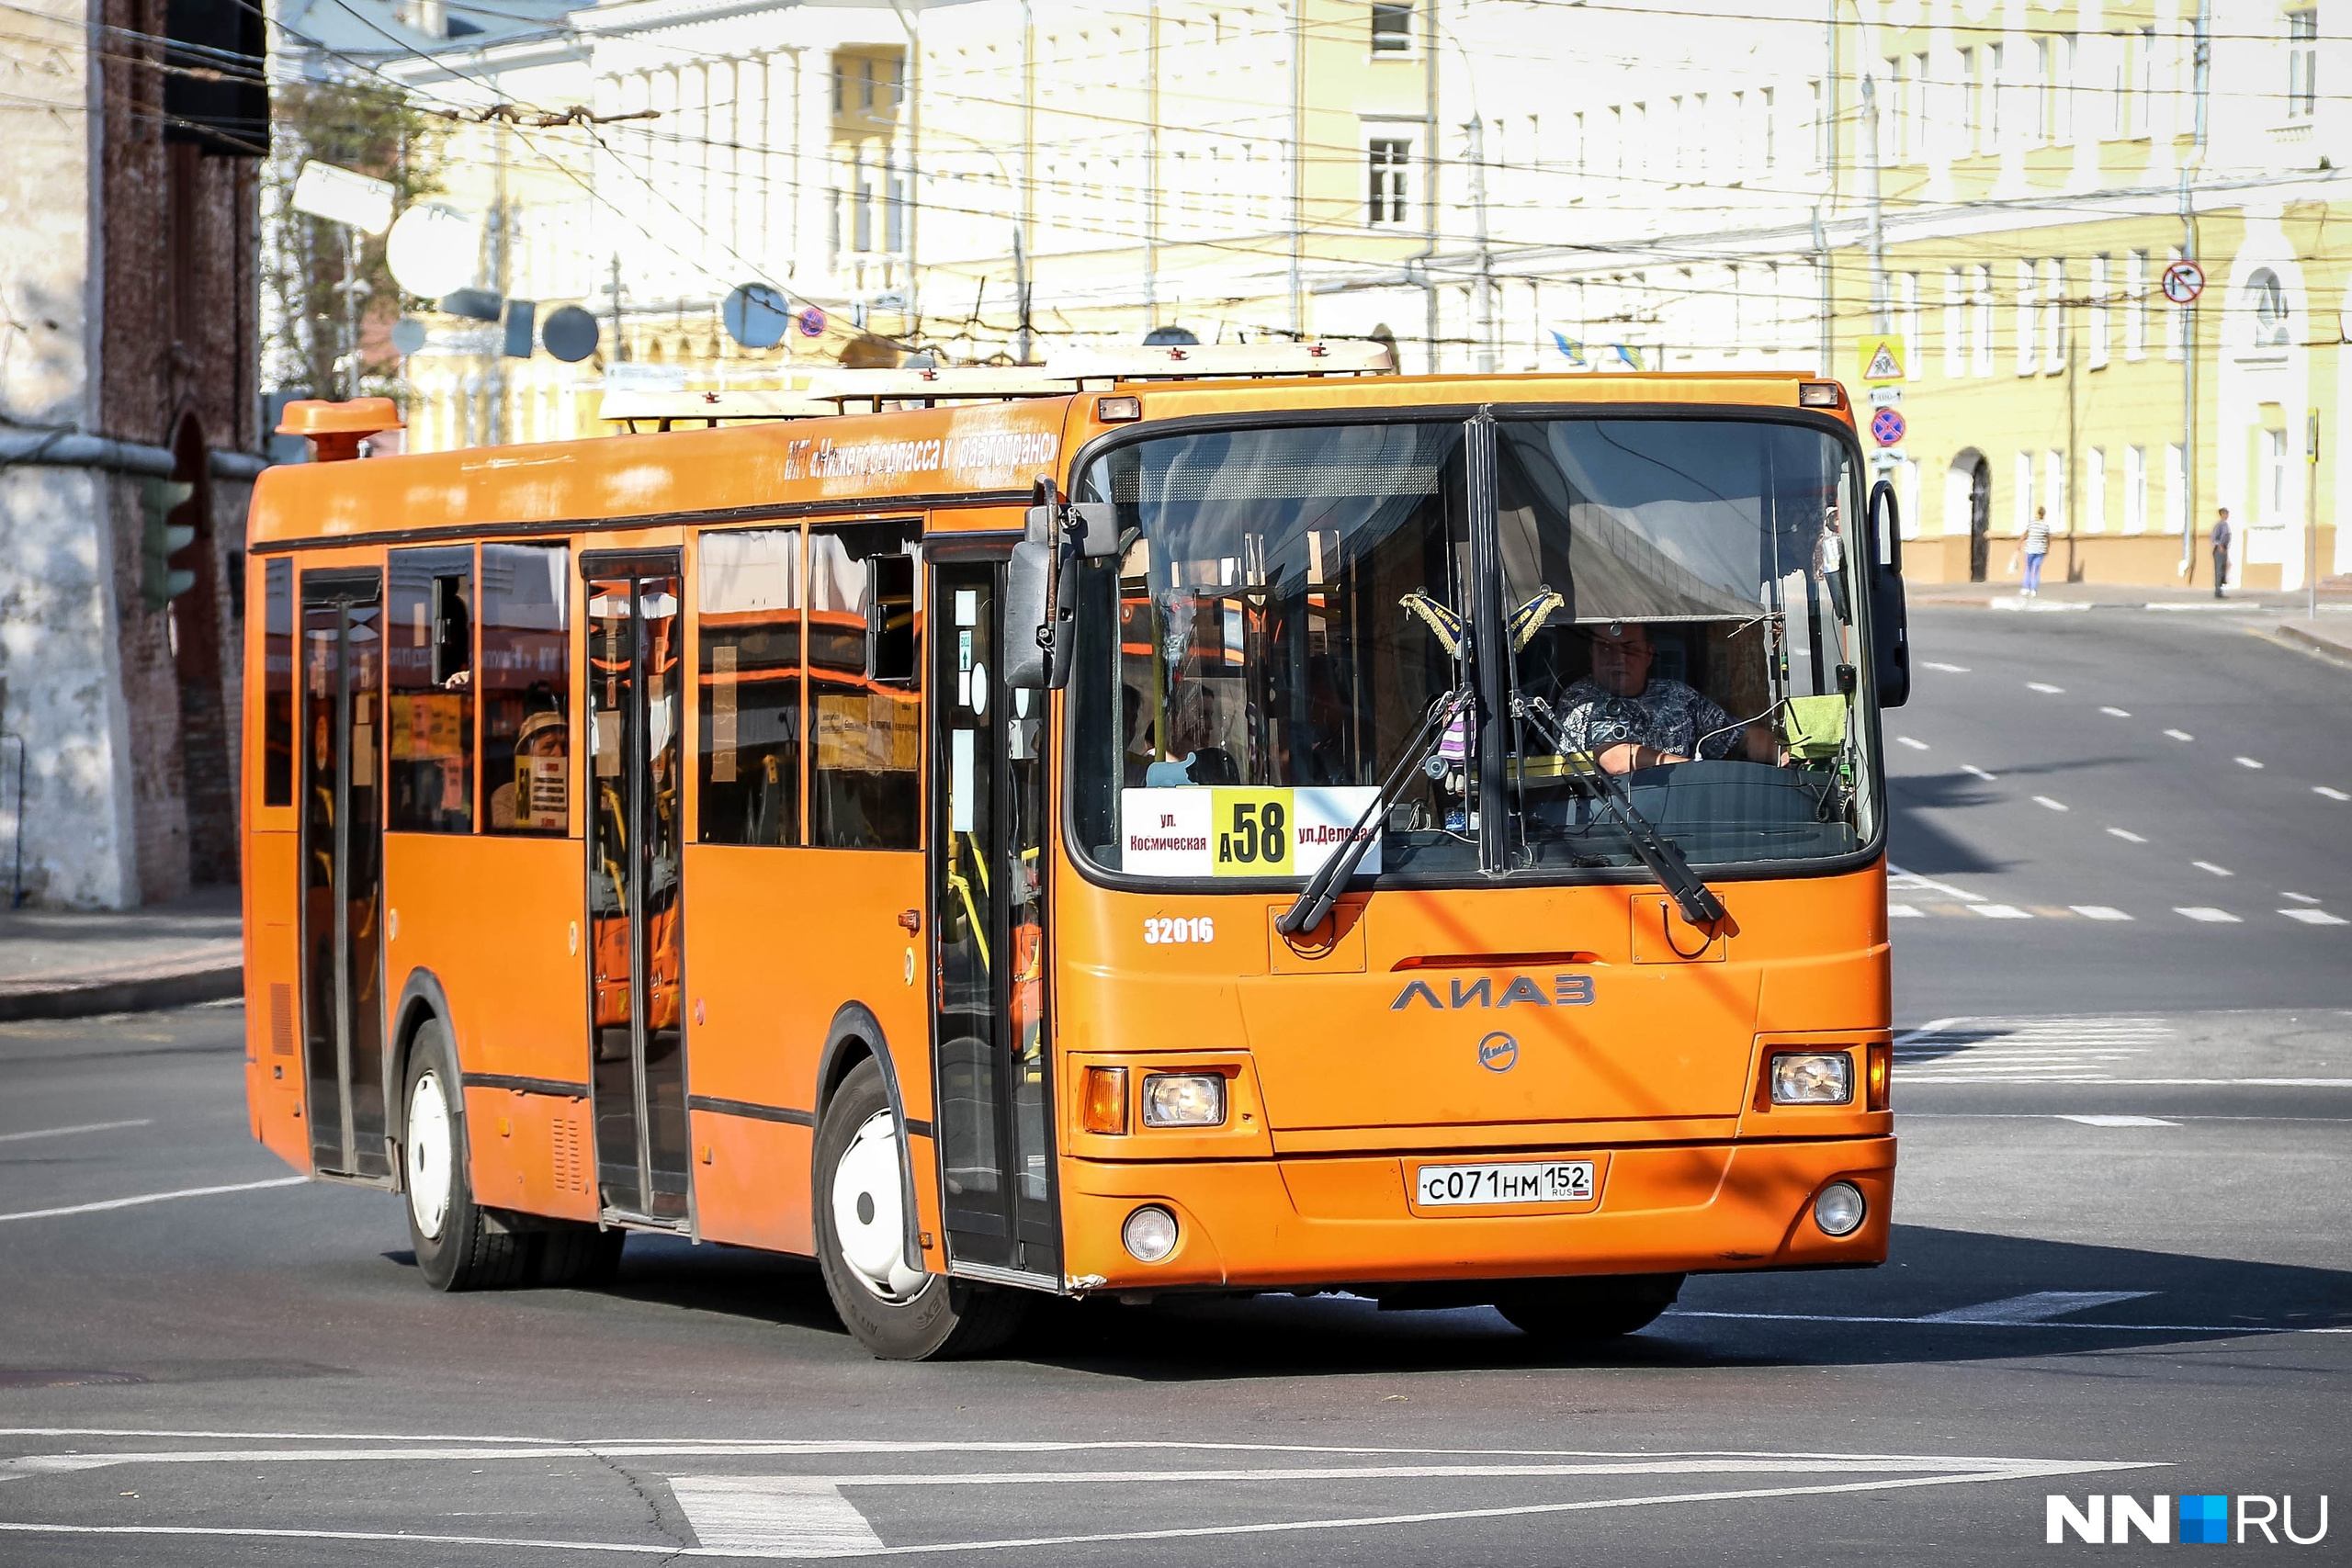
(1567,991)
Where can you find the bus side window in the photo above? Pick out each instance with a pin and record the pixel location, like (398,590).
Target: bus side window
(865,733)
(430,702)
(748,603)
(526,682)
(277,682)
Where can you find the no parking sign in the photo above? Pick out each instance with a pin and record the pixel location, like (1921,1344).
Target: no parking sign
(1887,426)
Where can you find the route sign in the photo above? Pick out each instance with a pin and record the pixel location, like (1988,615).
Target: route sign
(2184,281)
(1887,426)
(1882,357)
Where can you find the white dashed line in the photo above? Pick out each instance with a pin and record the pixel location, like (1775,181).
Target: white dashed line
(2208,915)
(142,1121)
(2315,917)
(2038,1306)
(1974,772)
(1948,669)
(2246,763)
(2000,911)
(2120,1120)
(2331,793)
(156,1198)
(2097,912)
(2180,735)
(2128,836)
(1905,912)
(2045,688)
(2216,870)
(2053,805)
(2298,898)
(2115,713)
(1915,745)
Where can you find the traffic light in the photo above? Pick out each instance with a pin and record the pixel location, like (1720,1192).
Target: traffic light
(161,539)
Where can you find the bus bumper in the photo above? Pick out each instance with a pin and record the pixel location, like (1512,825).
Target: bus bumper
(1339,1220)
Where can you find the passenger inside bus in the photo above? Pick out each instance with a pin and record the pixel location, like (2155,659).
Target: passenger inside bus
(541,788)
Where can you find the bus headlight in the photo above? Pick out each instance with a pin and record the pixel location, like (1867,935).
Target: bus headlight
(1184,1099)
(1838,1211)
(1813,1078)
(1149,1233)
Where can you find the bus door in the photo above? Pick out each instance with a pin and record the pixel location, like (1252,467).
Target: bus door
(993,1070)
(343,871)
(638,1041)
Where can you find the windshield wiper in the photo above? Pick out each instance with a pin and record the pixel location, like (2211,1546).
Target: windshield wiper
(1691,895)
(1323,889)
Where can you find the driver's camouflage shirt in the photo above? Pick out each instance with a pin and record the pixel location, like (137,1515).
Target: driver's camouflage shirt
(1668,716)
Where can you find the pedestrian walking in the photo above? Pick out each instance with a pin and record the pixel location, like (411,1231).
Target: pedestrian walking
(2221,552)
(2037,545)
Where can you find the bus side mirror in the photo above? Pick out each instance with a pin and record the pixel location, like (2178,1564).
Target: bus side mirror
(1890,619)
(1028,595)
(1093,523)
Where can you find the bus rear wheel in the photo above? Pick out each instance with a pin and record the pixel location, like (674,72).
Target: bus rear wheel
(898,1312)
(1580,1311)
(455,1248)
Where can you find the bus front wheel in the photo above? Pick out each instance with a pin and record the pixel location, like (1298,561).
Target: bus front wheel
(1568,1310)
(456,1249)
(900,1314)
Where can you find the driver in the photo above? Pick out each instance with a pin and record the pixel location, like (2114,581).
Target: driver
(1627,720)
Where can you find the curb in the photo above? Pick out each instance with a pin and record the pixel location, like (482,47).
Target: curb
(2305,641)
(150,992)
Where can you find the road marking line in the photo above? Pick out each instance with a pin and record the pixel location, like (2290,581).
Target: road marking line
(2001,911)
(2246,762)
(2314,917)
(84,1127)
(1912,882)
(773,1516)
(1904,912)
(2118,713)
(1948,669)
(2034,1307)
(1918,1080)
(2099,912)
(155,1198)
(2331,793)
(2103,1120)
(2298,898)
(1915,745)
(2216,870)
(2180,735)
(2021,1323)
(1972,768)
(2044,687)
(2128,836)
(2053,804)
(2205,913)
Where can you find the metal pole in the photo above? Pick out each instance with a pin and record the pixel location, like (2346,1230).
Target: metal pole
(2188,392)
(1025,233)
(1882,312)
(2311,517)
(1429,185)
(2065,307)
(1821,270)
(353,287)
(1475,146)
(1297,167)
(1151,166)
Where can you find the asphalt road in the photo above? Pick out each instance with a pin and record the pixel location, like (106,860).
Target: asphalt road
(2120,1268)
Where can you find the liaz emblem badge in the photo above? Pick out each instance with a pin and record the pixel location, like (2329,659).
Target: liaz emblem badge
(1498,1053)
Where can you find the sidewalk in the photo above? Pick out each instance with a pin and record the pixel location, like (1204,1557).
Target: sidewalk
(70,963)
(2333,601)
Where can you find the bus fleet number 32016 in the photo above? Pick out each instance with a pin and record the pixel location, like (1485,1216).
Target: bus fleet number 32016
(1545,1181)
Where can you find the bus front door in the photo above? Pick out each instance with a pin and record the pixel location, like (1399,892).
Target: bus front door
(638,1074)
(343,871)
(992,1068)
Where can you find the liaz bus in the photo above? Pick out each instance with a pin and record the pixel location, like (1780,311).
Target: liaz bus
(1210,820)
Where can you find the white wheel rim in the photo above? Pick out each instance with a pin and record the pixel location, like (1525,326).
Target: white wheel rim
(868,1217)
(432,1167)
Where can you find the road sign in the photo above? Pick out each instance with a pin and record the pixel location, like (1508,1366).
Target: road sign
(2184,281)
(811,322)
(1885,397)
(1887,426)
(1882,357)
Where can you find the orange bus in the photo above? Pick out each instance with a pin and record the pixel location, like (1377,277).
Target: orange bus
(1148,826)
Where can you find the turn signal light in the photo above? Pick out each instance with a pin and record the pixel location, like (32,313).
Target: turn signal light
(1106,1100)
(1818,395)
(1875,1076)
(1118,410)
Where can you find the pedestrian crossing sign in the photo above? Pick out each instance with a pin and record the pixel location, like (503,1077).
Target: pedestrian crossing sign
(1881,358)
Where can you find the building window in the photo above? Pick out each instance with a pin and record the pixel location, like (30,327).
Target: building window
(2053,488)
(1907,321)
(2274,489)
(1388,162)
(1996,83)
(2099,313)
(1956,326)
(2028,319)
(1392,30)
(2024,507)
(2302,63)
(1983,275)
(2144,96)
(2135,490)
(1972,101)
(2095,490)
(2135,306)
(2273,328)
(2175,324)
(2045,89)
(2053,316)
(1771,128)
(2175,488)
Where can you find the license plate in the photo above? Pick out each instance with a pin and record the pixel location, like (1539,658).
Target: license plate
(1539,1181)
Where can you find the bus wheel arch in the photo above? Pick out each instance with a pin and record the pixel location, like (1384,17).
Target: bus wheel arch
(423,1001)
(856,1036)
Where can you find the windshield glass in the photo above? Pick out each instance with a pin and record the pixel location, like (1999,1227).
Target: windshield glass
(1682,610)
(1282,616)
(1288,606)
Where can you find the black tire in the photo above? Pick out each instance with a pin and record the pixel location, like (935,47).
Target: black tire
(1580,1311)
(923,1317)
(460,1252)
(575,1254)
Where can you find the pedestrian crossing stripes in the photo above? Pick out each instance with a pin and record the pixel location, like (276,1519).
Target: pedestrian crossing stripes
(2033,1050)
(1911,897)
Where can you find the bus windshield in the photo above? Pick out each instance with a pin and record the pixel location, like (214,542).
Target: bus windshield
(1293,615)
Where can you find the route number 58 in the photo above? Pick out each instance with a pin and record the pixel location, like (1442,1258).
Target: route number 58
(1254,836)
